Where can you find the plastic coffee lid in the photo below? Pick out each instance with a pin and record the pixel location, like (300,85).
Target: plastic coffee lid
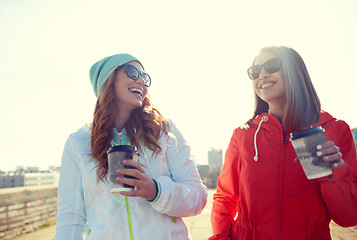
(124,148)
(306,132)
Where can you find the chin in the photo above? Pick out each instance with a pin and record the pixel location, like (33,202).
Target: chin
(137,105)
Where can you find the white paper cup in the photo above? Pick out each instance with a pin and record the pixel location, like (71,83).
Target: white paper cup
(116,155)
(304,143)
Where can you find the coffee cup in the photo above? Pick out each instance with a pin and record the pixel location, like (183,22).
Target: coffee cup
(304,143)
(116,155)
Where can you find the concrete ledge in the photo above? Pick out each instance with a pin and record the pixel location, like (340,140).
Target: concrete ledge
(23,209)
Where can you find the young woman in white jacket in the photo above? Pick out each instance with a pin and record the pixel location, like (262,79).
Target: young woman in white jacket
(167,185)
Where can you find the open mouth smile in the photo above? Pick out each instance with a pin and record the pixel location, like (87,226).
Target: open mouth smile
(266,85)
(136,91)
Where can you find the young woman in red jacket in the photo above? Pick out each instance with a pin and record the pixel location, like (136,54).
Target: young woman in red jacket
(262,191)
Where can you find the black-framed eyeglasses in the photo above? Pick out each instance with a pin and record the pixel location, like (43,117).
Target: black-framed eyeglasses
(134,74)
(271,66)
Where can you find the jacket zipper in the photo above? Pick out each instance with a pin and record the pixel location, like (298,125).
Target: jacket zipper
(119,136)
(126,198)
(281,186)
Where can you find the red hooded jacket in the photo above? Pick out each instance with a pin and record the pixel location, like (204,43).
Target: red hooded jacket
(271,198)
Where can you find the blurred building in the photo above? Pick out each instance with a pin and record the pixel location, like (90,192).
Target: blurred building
(210,173)
(41,178)
(29,177)
(32,169)
(203,170)
(8,180)
(215,159)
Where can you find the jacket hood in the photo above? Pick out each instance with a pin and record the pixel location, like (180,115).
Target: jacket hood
(325,117)
(276,126)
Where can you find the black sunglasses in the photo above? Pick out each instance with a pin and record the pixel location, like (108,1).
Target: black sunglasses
(271,66)
(134,74)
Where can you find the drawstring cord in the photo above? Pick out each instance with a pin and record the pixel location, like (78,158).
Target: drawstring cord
(128,216)
(264,119)
(115,142)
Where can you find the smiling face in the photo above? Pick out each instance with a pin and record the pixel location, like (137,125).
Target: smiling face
(269,86)
(130,94)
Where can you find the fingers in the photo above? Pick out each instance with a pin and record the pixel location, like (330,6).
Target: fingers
(146,189)
(131,176)
(329,151)
(135,170)
(338,164)
(325,145)
(128,181)
(132,193)
(132,172)
(138,178)
(134,164)
(333,157)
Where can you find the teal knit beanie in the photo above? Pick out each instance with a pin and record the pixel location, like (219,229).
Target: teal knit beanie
(101,70)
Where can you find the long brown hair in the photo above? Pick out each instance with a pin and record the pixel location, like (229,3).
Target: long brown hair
(145,126)
(303,104)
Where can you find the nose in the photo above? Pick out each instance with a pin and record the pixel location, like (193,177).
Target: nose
(263,74)
(141,79)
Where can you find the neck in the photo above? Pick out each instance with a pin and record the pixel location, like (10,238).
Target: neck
(120,120)
(277,111)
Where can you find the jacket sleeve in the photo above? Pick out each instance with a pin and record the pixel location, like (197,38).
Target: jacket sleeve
(71,216)
(226,198)
(183,194)
(340,191)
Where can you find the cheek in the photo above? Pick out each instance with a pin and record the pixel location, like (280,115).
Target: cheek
(117,84)
(279,76)
(255,85)
(145,92)
(117,89)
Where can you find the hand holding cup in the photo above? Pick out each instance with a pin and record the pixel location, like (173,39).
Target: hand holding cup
(330,153)
(145,187)
(306,143)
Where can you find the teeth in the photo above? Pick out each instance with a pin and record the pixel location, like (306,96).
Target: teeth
(266,85)
(136,90)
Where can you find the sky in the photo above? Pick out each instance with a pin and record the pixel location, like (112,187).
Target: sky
(196,52)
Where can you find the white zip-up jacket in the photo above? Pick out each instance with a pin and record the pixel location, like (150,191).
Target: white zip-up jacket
(88,210)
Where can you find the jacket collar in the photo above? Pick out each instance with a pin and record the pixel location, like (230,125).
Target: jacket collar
(266,117)
(324,118)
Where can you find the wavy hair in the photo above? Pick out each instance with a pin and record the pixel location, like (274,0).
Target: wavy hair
(303,104)
(144,127)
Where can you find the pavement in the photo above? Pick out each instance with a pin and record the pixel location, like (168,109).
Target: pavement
(200,227)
